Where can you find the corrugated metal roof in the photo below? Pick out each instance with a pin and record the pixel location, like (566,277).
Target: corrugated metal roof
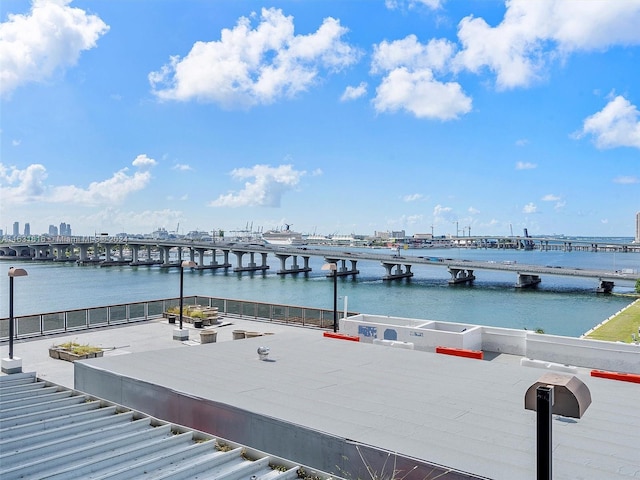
(48,431)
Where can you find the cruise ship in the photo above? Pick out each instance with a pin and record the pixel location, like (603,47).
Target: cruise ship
(283,237)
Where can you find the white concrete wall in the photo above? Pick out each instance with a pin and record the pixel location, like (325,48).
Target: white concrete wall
(504,340)
(424,335)
(596,354)
(427,335)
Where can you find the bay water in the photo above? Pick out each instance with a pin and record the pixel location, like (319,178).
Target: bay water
(559,305)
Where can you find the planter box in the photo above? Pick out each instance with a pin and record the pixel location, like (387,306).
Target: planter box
(69,356)
(208,336)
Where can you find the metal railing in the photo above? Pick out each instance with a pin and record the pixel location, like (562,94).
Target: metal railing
(27,326)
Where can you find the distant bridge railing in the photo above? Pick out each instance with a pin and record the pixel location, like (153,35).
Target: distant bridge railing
(28,326)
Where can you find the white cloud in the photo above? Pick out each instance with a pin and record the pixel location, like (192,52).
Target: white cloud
(420,94)
(525,166)
(404,220)
(29,183)
(443,215)
(473,211)
(559,203)
(550,198)
(522,142)
(616,125)
(182,167)
(16,143)
(113,219)
(49,38)
(530,208)
(396,4)
(28,186)
(266,189)
(409,83)
(144,162)
(626,180)
(353,93)
(532,33)
(248,67)
(412,54)
(413,197)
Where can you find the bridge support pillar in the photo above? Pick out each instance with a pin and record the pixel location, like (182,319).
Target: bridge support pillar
(42,253)
(200,256)
(84,253)
(606,286)
(107,251)
(214,263)
(60,253)
(461,275)
(165,257)
(295,268)
(526,280)
(398,273)
(341,264)
(252,267)
(225,254)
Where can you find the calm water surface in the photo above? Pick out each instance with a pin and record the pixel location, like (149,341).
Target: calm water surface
(562,306)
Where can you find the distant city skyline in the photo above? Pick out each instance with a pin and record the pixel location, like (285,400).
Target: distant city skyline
(334,117)
(64,229)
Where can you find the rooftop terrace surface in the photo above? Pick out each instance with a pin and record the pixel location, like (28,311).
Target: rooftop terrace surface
(462,413)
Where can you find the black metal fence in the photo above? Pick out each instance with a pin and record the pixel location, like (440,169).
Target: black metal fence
(86,318)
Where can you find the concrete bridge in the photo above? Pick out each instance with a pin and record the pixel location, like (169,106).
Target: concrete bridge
(253,257)
(544,244)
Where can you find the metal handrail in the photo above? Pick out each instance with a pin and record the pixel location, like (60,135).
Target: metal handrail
(28,326)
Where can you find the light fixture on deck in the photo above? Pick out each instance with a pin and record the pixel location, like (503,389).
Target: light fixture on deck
(180,333)
(333,267)
(11,364)
(556,394)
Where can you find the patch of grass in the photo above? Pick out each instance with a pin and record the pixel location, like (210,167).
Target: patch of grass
(85,349)
(187,310)
(78,349)
(621,327)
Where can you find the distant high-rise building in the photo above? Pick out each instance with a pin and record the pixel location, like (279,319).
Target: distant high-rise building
(1,233)
(27,229)
(638,227)
(65,229)
(16,229)
(53,230)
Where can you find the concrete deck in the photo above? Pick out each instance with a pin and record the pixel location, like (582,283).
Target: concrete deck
(462,413)
(125,339)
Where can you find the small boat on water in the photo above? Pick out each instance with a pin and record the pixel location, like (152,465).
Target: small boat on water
(283,237)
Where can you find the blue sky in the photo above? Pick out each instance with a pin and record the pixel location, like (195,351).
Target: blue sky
(336,117)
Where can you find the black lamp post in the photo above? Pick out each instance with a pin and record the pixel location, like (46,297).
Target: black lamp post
(334,272)
(13,272)
(183,265)
(553,394)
